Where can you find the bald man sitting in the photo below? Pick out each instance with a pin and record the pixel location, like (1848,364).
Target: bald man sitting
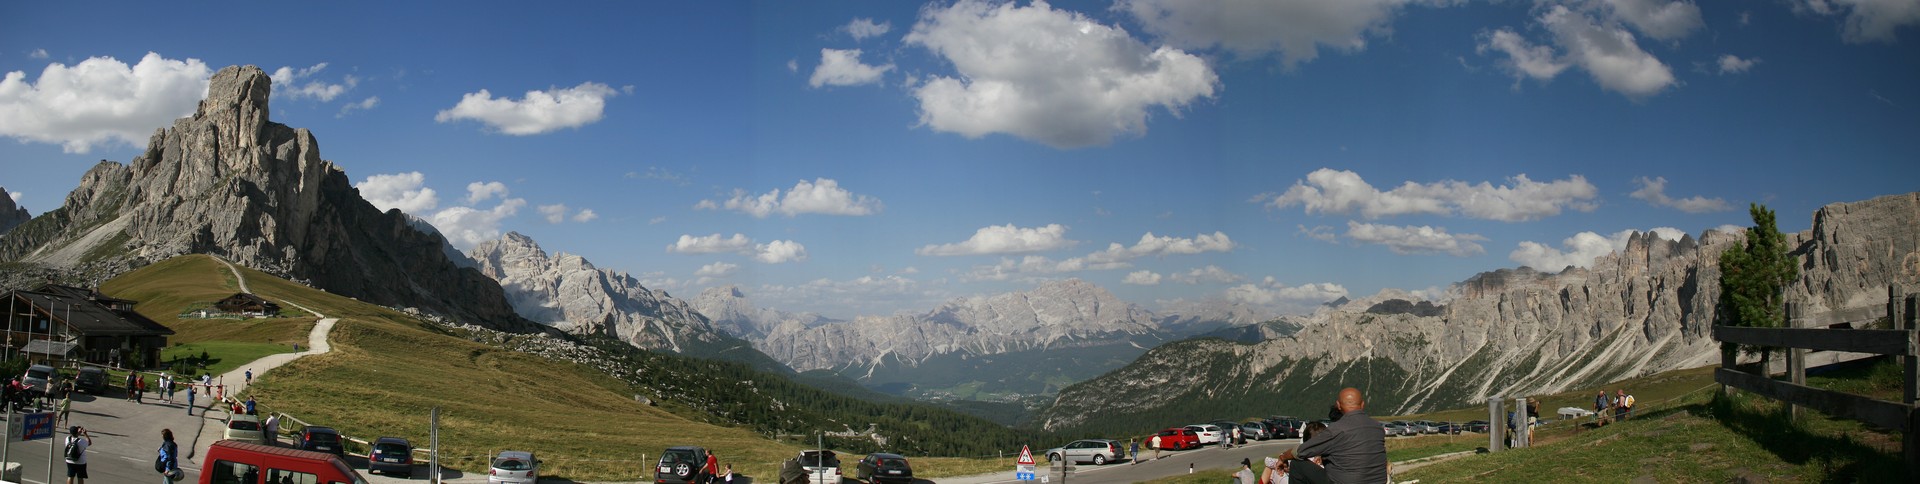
(1353,448)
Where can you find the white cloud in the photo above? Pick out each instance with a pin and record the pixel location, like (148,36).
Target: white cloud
(1731,229)
(1580,250)
(1270,292)
(1867,20)
(15,195)
(820,196)
(1343,192)
(910,270)
(1654,191)
(780,251)
(1052,76)
(862,28)
(538,112)
(478,191)
(1151,245)
(365,104)
(1142,278)
(404,191)
(37,54)
(1033,265)
(1320,232)
(1408,240)
(717,270)
(1294,28)
(1211,274)
(793,65)
(662,174)
(842,67)
(100,100)
(1660,19)
(287,83)
(555,213)
(1004,239)
(1524,59)
(1731,64)
(711,244)
(1608,53)
(585,215)
(774,252)
(656,220)
(466,227)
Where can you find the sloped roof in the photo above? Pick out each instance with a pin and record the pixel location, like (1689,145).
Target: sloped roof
(49,347)
(77,308)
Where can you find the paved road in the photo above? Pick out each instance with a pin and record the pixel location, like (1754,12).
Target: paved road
(126,438)
(1171,463)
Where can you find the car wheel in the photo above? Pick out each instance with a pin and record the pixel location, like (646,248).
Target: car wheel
(1099,460)
(1053,457)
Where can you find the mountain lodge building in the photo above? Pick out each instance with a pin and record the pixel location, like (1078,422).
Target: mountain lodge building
(65,324)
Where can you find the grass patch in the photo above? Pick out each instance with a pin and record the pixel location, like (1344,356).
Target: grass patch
(388,370)
(1208,477)
(223,356)
(1409,448)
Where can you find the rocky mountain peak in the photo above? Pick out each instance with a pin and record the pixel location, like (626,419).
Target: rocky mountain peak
(10,215)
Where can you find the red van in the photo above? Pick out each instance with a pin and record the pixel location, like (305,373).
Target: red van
(236,462)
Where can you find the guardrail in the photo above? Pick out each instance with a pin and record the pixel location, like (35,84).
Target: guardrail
(1903,342)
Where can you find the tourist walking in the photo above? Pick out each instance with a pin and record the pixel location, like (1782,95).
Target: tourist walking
(249,376)
(273,428)
(1155,444)
(189,401)
(1600,404)
(1620,406)
(1134,447)
(250,404)
(1629,403)
(78,440)
(168,462)
(141,383)
(66,407)
(130,386)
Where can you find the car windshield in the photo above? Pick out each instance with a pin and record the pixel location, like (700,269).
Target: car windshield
(512,465)
(37,373)
(324,437)
(248,425)
(893,463)
(810,459)
(675,456)
(390,448)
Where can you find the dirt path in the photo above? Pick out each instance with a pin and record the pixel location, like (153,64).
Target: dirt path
(235,381)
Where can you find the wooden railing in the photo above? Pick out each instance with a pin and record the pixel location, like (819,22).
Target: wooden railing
(1902,342)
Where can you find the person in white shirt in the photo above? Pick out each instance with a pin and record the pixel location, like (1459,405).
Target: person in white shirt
(78,440)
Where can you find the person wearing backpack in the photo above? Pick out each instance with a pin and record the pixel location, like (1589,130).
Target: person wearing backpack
(78,440)
(168,462)
(1629,404)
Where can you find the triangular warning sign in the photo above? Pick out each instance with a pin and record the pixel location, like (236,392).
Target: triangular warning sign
(1026,457)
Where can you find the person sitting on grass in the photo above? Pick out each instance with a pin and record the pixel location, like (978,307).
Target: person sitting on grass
(1355,446)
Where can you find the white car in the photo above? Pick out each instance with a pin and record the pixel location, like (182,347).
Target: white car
(822,466)
(36,378)
(1208,433)
(514,467)
(244,428)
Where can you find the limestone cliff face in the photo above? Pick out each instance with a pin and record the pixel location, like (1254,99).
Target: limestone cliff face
(568,292)
(1645,309)
(227,181)
(10,215)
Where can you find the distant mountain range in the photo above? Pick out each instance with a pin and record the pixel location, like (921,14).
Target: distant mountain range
(1643,310)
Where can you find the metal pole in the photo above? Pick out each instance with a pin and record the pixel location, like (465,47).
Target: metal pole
(433,449)
(52,431)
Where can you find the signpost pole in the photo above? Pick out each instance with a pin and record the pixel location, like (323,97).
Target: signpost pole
(7,441)
(51,431)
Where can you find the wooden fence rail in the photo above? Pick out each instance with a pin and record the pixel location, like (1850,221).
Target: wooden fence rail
(1902,342)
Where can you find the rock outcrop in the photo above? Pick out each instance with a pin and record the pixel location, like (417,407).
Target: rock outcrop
(11,215)
(1645,309)
(568,292)
(228,181)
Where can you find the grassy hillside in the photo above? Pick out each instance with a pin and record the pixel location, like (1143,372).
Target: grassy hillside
(168,288)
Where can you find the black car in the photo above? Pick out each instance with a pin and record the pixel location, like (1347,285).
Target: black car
(680,465)
(1477,426)
(92,380)
(1452,428)
(391,455)
(322,439)
(878,468)
(1289,428)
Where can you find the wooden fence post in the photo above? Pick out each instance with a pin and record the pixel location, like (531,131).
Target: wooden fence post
(1796,358)
(1902,318)
(1520,418)
(1496,425)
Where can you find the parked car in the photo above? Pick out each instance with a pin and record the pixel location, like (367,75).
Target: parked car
(236,461)
(244,428)
(1477,426)
(1426,427)
(1179,438)
(391,455)
(821,466)
(1451,427)
(882,468)
(92,380)
(680,465)
(514,467)
(1289,428)
(1255,430)
(1207,433)
(1226,428)
(1097,451)
(322,439)
(1397,428)
(35,380)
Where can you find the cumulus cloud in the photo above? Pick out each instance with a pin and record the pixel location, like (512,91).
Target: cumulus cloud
(15,195)
(1211,274)
(1142,278)
(1732,64)
(478,191)
(1051,76)
(1029,267)
(774,252)
(1343,192)
(1408,240)
(404,191)
(1004,239)
(37,54)
(100,101)
(1654,191)
(539,112)
(466,227)
(555,213)
(585,215)
(1866,20)
(1319,232)
(365,104)
(1296,29)
(293,83)
(1151,245)
(1524,59)
(862,28)
(842,67)
(1269,292)
(1601,46)
(1581,249)
(1666,20)
(662,174)
(716,270)
(820,196)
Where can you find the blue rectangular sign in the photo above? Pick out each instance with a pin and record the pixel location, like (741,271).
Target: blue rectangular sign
(36,426)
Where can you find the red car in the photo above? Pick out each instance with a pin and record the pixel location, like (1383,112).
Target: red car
(1179,439)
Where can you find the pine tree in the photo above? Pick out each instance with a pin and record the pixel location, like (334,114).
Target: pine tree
(1753,280)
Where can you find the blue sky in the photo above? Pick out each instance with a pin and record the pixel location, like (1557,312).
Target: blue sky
(1280,153)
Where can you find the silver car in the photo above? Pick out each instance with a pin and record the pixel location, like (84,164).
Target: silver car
(1426,427)
(1207,433)
(1397,428)
(514,467)
(1097,451)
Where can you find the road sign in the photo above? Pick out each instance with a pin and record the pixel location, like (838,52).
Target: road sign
(1023,476)
(14,428)
(1026,457)
(37,426)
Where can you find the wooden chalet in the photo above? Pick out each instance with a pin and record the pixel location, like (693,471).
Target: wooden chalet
(63,324)
(247,304)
